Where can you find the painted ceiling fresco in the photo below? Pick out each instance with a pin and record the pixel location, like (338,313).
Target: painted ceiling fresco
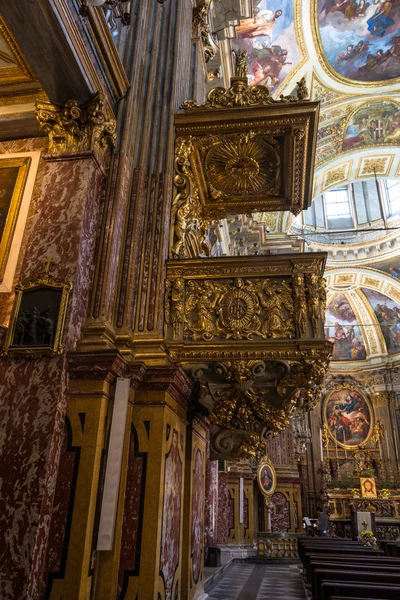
(342,329)
(361,38)
(387,312)
(373,123)
(270,40)
(6,57)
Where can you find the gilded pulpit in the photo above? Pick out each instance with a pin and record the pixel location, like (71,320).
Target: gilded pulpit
(248,330)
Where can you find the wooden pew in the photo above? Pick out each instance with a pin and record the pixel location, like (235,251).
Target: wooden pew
(348,558)
(381,591)
(352,576)
(385,568)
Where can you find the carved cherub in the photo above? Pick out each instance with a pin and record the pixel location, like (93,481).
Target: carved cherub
(302,89)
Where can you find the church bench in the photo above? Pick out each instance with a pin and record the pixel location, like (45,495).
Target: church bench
(391,548)
(327,545)
(344,558)
(348,589)
(366,577)
(350,565)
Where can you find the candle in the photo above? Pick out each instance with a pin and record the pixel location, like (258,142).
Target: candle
(320,441)
(395,444)
(387,446)
(344,442)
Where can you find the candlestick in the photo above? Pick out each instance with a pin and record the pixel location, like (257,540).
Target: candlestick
(320,441)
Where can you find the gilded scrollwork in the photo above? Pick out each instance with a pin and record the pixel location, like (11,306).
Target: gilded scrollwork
(241,94)
(188,229)
(201,28)
(78,128)
(234,309)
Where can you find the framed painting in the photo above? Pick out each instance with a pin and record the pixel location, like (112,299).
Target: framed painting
(266,477)
(349,416)
(368,487)
(13,176)
(38,318)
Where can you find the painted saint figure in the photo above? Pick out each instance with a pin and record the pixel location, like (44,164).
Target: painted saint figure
(381,20)
(260,25)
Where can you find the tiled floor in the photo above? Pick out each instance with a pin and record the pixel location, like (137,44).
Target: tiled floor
(245,581)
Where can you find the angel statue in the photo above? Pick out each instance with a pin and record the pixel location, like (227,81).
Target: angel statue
(377,433)
(241,65)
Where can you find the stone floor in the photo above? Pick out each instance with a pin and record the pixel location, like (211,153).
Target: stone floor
(243,581)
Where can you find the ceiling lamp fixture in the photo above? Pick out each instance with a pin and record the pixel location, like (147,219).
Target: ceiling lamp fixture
(120,8)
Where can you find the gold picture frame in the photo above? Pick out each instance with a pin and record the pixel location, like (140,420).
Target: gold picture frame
(368,487)
(366,407)
(266,477)
(13,176)
(37,322)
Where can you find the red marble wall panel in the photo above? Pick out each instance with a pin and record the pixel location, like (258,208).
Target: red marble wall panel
(31,436)
(170,535)
(280,523)
(197,515)
(133,517)
(225,512)
(281,448)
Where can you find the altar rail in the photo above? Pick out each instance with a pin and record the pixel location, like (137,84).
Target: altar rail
(277,545)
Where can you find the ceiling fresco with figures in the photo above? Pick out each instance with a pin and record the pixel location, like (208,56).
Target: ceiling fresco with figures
(360,38)
(269,37)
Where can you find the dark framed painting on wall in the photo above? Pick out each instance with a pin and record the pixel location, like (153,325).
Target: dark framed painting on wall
(266,477)
(349,416)
(38,317)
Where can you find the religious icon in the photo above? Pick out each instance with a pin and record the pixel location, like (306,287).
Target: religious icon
(266,477)
(13,174)
(38,317)
(349,417)
(368,487)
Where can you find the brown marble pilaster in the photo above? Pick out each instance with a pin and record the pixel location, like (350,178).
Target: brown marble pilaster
(151,545)
(88,412)
(194,509)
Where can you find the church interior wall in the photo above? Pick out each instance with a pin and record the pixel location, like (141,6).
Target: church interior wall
(99,216)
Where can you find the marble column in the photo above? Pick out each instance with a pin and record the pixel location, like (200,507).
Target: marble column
(384,411)
(152,536)
(211,518)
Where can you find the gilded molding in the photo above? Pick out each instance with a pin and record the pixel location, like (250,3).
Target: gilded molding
(73,128)
(202,30)
(383,398)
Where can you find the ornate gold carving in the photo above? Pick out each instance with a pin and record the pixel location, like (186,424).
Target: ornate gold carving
(377,433)
(235,309)
(312,281)
(335,176)
(243,164)
(202,29)
(43,281)
(300,305)
(322,298)
(73,128)
(189,223)
(325,435)
(383,398)
(240,94)
(374,165)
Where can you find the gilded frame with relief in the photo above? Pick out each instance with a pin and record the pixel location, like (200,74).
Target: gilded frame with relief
(266,477)
(37,321)
(13,176)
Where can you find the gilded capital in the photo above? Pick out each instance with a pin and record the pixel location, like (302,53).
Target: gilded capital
(78,128)
(383,398)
